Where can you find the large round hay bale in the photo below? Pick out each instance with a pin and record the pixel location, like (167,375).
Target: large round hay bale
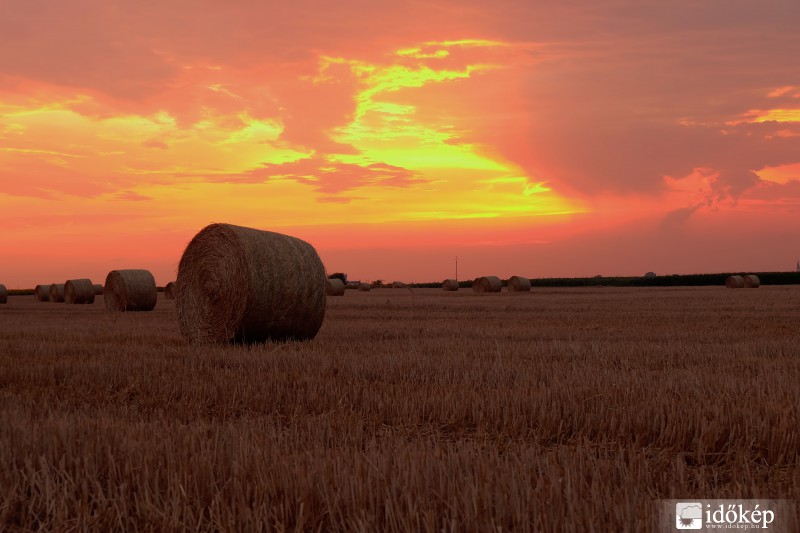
(169,290)
(751,281)
(239,284)
(487,284)
(519,284)
(130,290)
(79,291)
(3,294)
(57,293)
(398,285)
(734,282)
(364,287)
(98,289)
(450,285)
(650,275)
(334,287)
(42,293)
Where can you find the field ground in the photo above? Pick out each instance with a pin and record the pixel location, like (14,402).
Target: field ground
(558,410)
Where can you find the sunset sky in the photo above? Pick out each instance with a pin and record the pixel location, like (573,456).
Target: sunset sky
(526,137)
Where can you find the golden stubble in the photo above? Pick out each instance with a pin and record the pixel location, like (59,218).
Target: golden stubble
(559,409)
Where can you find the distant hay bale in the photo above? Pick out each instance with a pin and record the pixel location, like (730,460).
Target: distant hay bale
(246,285)
(334,287)
(751,281)
(398,285)
(650,275)
(130,290)
(450,285)
(519,284)
(487,284)
(98,289)
(734,282)
(364,286)
(170,290)
(57,293)
(79,291)
(3,294)
(42,293)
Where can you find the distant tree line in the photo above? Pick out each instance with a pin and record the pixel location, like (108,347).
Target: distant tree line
(673,280)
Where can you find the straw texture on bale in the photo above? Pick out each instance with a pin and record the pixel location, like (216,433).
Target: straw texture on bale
(751,281)
(98,289)
(169,290)
(79,291)
(487,284)
(398,285)
(519,284)
(364,286)
(3,294)
(57,293)
(450,285)
(246,285)
(334,287)
(130,290)
(42,293)
(650,275)
(734,282)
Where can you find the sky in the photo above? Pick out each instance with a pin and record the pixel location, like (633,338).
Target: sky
(525,137)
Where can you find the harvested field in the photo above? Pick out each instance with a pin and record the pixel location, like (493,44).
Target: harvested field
(569,410)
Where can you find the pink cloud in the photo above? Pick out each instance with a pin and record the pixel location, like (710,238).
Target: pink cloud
(331,178)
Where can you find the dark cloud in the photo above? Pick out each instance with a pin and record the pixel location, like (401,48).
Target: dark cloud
(327,177)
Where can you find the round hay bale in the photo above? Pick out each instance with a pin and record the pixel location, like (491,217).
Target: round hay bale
(450,285)
(650,275)
(3,294)
(334,287)
(57,293)
(246,285)
(170,290)
(734,282)
(130,290)
(519,284)
(42,293)
(98,289)
(487,284)
(751,281)
(398,285)
(79,291)
(364,287)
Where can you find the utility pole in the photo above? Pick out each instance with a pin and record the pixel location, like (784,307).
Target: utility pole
(456,268)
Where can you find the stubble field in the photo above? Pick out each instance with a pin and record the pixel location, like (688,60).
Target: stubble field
(558,410)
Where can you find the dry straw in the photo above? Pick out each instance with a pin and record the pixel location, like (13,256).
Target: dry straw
(3,294)
(169,290)
(240,284)
(79,291)
(398,285)
(98,289)
(130,290)
(519,284)
(334,287)
(487,284)
(450,285)
(751,281)
(57,293)
(364,286)
(42,293)
(734,282)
